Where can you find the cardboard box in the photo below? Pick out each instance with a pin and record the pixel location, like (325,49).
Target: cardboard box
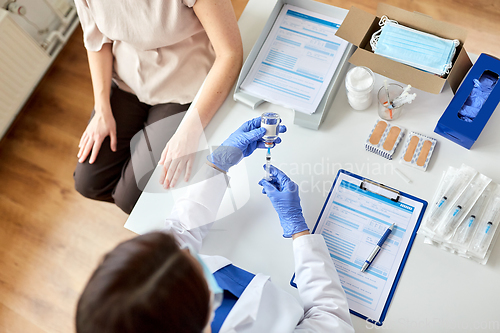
(359,26)
(457,130)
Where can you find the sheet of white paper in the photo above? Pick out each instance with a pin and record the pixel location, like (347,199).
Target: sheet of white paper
(352,223)
(297,61)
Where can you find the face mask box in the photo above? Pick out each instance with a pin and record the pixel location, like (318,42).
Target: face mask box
(359,26)
(464,130)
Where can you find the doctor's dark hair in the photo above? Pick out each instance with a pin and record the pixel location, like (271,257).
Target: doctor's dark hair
(146,284)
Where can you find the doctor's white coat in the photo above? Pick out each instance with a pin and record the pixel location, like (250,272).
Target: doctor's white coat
(263,307)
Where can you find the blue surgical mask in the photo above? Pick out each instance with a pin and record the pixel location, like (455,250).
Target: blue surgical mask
(216,292)
(414,48)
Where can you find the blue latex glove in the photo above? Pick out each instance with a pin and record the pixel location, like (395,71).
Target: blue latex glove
(241,143)
(284,195)
(478,96)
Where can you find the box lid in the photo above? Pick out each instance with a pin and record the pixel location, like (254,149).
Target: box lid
(355,25)
(398,71)
(421,21)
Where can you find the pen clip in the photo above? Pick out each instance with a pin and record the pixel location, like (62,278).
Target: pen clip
(390,193)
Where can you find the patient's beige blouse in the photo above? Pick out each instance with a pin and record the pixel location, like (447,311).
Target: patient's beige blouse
(161,52)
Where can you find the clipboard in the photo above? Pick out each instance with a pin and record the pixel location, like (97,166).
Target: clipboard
(355,214)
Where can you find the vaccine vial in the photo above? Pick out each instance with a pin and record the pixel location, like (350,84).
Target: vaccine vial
(270,121)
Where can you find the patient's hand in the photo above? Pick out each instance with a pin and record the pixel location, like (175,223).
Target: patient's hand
(100,126)
(178,155)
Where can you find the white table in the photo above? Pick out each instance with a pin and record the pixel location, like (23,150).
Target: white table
(438,291)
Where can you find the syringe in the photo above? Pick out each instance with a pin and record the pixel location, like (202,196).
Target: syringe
(450,192)
(486,233)
(404,97)
(465,229)
(464,232)
(463,201)
(270,121)
(268,165)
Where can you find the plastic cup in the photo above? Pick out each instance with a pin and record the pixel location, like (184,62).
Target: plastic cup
(385,110)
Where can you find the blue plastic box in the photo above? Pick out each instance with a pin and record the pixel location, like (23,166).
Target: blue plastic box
(450,125)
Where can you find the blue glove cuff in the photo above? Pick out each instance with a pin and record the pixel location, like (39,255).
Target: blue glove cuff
(290,229)
(225,157)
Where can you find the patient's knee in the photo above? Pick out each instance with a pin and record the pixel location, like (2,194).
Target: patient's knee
(126,199)
(92,188)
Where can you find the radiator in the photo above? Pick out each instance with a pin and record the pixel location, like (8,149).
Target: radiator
(22,63)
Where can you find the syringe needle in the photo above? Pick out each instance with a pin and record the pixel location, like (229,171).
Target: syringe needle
(268,164)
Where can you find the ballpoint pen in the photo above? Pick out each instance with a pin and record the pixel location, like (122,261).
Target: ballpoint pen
(377,248)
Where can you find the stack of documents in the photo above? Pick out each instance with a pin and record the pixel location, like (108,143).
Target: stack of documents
(297,61)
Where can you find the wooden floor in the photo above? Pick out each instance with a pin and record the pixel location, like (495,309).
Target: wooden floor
(50,237)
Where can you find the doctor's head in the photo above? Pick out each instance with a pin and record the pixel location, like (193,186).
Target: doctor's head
(146,284)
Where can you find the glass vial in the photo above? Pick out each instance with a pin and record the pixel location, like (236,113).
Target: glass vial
(270,121)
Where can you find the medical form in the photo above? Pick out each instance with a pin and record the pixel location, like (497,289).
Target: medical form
(352,222)
(297,61)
